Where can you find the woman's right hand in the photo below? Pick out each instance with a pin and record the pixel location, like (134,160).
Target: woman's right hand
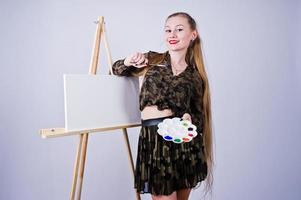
(137,59)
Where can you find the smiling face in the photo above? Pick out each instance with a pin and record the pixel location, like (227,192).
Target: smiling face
(178,33)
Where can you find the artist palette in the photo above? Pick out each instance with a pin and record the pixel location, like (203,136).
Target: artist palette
(177,130)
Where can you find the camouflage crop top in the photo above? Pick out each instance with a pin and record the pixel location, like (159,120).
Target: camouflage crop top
(181,93)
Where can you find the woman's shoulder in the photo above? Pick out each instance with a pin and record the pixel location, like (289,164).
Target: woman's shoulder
(155,57)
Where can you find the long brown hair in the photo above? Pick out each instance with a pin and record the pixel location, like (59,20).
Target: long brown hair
(194,56)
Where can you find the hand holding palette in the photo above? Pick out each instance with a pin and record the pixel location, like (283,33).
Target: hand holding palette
(177,130)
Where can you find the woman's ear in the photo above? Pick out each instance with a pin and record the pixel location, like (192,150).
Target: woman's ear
(194,35)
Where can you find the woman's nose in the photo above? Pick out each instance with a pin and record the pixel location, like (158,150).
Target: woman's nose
(173,33)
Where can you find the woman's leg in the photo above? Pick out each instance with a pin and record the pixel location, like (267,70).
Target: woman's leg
(172,196)
(183,194)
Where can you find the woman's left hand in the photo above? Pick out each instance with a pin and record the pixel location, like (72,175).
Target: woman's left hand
(187,116)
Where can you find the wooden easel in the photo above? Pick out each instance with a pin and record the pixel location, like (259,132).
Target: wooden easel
(79,165)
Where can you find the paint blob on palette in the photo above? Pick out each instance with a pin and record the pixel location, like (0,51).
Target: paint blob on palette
(177,130)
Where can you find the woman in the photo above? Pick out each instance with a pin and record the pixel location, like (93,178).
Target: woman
(175,85)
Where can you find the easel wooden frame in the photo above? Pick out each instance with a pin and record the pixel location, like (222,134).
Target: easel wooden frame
(79,165)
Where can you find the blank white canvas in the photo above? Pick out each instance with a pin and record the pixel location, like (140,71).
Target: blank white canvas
(100,101)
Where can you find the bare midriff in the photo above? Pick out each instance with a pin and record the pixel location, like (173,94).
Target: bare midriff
(150,112)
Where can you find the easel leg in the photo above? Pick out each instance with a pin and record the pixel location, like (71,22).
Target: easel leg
(79,165)
(75,171)
(126,138)
(82,164)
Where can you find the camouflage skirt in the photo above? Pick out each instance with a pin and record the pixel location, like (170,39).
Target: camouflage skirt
(163,167)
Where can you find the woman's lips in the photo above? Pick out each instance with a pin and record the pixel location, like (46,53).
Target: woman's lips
(173,41)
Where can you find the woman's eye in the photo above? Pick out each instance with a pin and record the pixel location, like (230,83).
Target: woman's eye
(180,29)
(167,31)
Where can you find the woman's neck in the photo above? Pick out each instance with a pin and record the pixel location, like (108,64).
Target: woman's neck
(177,58)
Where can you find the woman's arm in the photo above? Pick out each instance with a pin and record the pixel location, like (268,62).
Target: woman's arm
(120,69)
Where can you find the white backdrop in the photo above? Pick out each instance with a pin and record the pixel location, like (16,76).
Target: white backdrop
(252,51)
